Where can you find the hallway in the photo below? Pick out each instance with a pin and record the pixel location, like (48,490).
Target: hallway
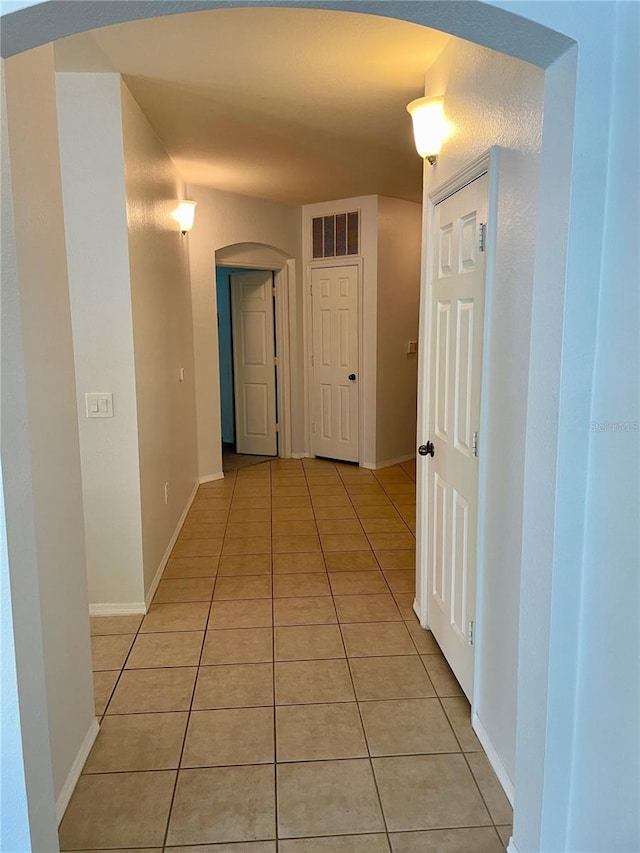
(280,694)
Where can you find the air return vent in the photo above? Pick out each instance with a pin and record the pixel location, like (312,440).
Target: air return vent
(337,235)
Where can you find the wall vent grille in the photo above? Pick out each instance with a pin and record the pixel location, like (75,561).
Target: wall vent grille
(336,236)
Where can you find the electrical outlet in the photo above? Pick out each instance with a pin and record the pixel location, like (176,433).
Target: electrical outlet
(166,493)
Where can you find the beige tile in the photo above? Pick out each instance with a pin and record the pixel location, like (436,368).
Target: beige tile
(305,682)
(246,516)
(332,489)
(441,676)
(304,611)
(288,491)
(246,530)
(250,503)
(492,791)
(288,478)
(238,645)
(236,686)
(390,678)
(248,545)
(505,834)
(110,651)
(359,477)
(126,850)
(476,840)
(392,541)
(138,742)
(294,513)
(103,684)
(308,642)
(403,580)
(248,564)
(390,524)
(254,586)
(330,500)
(298,585)
(327,798)
(234,736)
(337,844)
(247,613)
(373,639)
(118,810)
(358,583)
(197,548)
(378,499)
(313,732)
(339,527)
(405,601)
(141,691)
(367,608)
(364,489)
(223,804)
(236,847)
(294,528)
(295,563)
(210,504)
(334,512)
(458,711)
(385,510)
(170,648)
(401,488)
(104,625)
(203,516)
(344,542)
(407,727)
(280,502)
(191,567)
(176,617)
(423,640)
(351,561)
(428,792)
(295,544)
(199,530)
(186,589)
(323,478)
(246,490)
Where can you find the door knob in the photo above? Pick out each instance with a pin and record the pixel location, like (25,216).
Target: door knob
(352,377)
(427,449)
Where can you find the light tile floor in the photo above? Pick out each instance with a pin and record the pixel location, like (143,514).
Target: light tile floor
(280,694)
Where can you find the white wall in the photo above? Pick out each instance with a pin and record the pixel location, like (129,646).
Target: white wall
(95,206)
(40,450)
(162,336)
(223,219)
(399,249)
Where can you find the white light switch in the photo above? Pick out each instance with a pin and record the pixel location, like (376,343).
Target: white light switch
(412,347)
(99,405)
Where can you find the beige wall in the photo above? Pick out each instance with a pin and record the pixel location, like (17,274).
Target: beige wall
(399,247)
(223,219)
(40,449)
(162,336)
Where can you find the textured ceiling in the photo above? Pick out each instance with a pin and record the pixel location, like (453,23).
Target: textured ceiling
(292,105)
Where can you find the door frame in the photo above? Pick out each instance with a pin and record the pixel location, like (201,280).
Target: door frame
(307,303)
(488,162)
(284,279)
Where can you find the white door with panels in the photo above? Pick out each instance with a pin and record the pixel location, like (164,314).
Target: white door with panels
(254,362)
(334,298)
(449,458)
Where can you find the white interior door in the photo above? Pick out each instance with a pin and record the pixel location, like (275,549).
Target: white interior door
(456,293)
(334,297)
(254,362)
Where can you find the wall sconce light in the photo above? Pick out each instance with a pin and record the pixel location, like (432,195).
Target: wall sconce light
(184,214)
(430,127)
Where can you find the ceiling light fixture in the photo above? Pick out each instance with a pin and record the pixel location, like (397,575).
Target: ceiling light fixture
(430,127)
(185,214)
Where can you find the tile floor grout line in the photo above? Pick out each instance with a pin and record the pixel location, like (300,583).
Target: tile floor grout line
(273,675)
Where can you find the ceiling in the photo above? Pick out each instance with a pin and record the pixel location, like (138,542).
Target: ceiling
(292,105)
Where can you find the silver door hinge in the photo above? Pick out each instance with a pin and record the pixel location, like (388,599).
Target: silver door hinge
(273,290)
(483,236)
(275,360)
(470,627)
(474,444)
(277,427)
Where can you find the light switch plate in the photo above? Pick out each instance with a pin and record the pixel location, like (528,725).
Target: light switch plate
(99,405)
(412,347)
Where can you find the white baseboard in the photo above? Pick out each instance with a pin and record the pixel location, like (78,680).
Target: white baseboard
(163,562)
(494,759)
(513,847)
(210,478)
(387,463)
(300,456)
(133,608)
(76,769)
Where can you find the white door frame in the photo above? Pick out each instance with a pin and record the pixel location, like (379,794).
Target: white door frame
(488,162)
(284,280)
(348,261)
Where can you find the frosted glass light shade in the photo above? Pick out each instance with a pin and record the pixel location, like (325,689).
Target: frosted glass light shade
(185,214)
(430,127)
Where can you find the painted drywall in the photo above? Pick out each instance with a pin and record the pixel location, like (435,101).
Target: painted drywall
(224,219)
(95,207)
(225,353)
(162,336)
(368,260)
(399,251)
(40,450)
(492,99)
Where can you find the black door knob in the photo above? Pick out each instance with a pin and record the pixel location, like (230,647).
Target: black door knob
(427,449)
(352,377)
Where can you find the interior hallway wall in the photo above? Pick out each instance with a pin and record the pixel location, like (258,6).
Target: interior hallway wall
(225,352)
(224,219)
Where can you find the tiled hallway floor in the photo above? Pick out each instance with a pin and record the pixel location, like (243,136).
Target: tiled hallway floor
(280,694)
